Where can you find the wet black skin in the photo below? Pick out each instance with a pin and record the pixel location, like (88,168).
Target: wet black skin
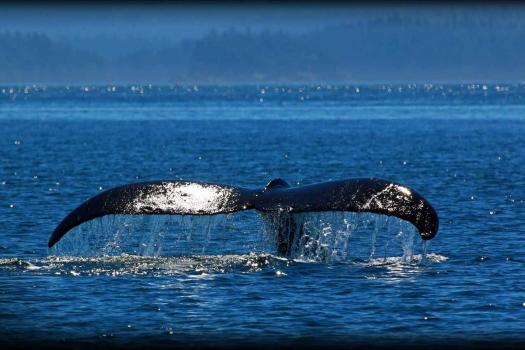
(287,228)
(276,199)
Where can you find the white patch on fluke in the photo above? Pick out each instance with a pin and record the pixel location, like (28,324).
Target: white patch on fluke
(403,190)
(374,198)
(400,192)
(190,198)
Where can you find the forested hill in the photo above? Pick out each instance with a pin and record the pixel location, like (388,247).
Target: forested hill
(379,51)
(33,57)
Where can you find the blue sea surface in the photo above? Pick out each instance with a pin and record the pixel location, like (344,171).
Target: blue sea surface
(182,280)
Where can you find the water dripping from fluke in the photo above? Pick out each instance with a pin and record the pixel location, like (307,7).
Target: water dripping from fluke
(277,198)
(142,235)
(334,237)
(334,222)
(327,237)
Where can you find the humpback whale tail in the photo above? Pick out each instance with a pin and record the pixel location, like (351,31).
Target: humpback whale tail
(198,198)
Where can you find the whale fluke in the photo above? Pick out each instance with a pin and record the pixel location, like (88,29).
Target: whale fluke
(199,198)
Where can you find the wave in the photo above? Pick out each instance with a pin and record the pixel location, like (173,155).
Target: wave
(199,265)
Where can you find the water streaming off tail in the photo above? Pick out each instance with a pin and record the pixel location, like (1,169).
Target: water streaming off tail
(169,235)
(324,236)
(339,236)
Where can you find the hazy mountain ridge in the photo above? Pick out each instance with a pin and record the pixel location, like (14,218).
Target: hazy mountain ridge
(390,49)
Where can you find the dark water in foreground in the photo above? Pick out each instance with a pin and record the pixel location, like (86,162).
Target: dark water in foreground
(174,280)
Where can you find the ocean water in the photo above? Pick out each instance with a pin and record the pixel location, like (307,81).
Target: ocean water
(218,280)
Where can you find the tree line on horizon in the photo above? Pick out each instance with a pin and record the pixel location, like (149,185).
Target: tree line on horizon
(387,50)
